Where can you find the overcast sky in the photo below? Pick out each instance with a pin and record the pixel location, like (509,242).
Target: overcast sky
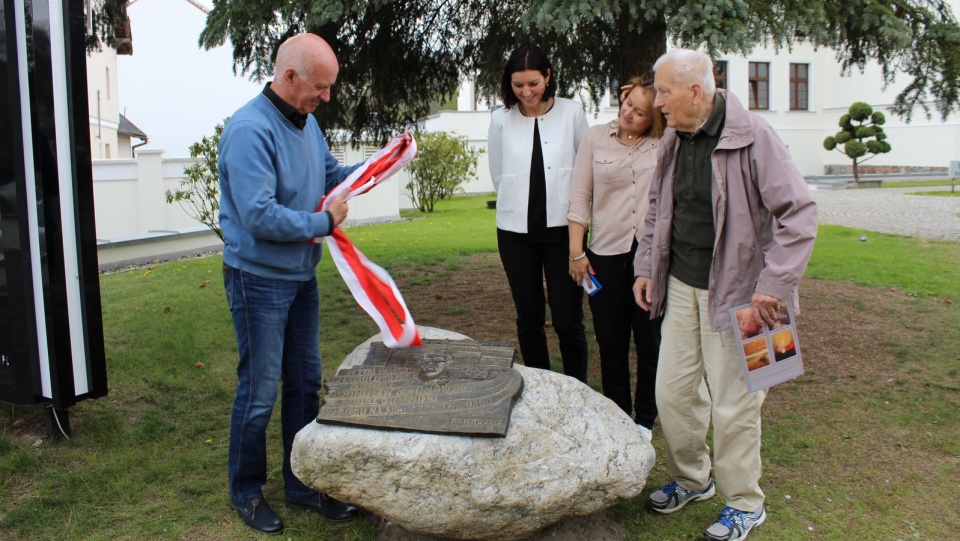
(170,88)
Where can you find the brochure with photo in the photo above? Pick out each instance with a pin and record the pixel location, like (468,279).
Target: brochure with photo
(768,356)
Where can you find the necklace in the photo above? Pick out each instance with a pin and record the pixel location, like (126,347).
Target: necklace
(629,138)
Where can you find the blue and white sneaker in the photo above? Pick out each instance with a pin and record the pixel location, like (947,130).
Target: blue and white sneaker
(734,524)
(672,497)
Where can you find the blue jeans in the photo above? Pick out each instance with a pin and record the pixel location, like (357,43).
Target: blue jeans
(278,336)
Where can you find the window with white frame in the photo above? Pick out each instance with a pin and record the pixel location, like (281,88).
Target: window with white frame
(720,73)
(799,87)
(759,78)
(613,94)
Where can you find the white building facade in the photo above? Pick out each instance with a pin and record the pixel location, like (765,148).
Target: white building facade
(104,105)
(176,92)
(801,92)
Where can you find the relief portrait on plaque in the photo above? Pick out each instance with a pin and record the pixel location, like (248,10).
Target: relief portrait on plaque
(445,387)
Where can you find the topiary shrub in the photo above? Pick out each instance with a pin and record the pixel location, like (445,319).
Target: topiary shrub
(860,135)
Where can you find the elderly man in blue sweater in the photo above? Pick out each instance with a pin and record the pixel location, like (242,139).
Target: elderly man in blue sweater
(275,166)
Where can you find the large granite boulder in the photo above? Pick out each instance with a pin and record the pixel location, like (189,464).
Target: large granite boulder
(568,451)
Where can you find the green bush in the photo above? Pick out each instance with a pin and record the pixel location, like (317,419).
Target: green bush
(199,190)
(443,164)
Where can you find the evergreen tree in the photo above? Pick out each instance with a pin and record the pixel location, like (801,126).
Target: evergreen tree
(398,57)
(106,18)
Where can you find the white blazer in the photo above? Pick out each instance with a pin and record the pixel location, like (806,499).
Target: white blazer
(510,147)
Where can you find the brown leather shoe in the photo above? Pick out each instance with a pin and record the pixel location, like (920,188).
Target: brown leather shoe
(258,515)
(328,508)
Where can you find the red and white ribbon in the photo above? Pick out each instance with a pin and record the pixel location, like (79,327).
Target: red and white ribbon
(370,284)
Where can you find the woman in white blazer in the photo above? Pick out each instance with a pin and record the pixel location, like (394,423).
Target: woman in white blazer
(532,146)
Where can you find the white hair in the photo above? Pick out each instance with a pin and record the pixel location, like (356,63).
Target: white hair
(689,67)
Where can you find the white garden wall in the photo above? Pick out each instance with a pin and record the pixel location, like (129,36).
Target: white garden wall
(135,224)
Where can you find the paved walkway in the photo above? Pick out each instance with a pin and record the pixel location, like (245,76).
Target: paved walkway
(892,210)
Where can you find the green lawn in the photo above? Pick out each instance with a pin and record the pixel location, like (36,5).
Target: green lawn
(915,183)
(917,266)
(843,454)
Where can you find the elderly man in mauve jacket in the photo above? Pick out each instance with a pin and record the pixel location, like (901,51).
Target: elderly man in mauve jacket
(731,221)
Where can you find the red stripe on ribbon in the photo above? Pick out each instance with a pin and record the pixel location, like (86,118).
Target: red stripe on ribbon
(381,297)
(371,285)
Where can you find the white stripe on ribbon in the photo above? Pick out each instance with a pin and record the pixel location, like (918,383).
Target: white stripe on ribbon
(370,284)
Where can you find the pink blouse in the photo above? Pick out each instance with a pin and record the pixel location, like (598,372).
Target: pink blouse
(610,185)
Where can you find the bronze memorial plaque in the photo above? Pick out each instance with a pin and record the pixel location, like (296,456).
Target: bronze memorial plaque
(444,387)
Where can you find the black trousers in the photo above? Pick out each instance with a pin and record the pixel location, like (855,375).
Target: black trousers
(615,315)
(527,264)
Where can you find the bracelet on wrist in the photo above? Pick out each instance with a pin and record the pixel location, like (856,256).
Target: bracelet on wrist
(579,257)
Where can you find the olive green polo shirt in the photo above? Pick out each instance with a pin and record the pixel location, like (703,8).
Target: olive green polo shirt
(693,235)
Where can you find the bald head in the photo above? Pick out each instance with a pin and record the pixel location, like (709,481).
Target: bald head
(306,68)
(302,52)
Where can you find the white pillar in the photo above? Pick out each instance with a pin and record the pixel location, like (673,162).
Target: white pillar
(151,197)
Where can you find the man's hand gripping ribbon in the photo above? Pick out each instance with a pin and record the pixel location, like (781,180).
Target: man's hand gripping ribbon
(370,284)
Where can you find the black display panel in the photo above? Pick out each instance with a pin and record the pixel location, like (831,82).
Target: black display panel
(51,330)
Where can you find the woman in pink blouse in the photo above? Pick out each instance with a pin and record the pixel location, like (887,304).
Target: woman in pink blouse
(611,177)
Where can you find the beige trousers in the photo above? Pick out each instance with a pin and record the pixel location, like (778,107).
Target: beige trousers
(690,352)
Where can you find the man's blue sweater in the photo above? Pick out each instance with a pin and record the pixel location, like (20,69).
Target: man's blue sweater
(272,177)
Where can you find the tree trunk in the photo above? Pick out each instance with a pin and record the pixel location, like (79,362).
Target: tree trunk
(856,174)
(639,48)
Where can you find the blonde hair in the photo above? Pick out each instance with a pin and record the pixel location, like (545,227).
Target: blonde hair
(658,122)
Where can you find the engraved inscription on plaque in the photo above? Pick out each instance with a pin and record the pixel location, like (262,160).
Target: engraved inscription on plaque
(445,387)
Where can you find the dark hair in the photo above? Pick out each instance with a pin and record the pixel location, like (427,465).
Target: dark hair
(526,57)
